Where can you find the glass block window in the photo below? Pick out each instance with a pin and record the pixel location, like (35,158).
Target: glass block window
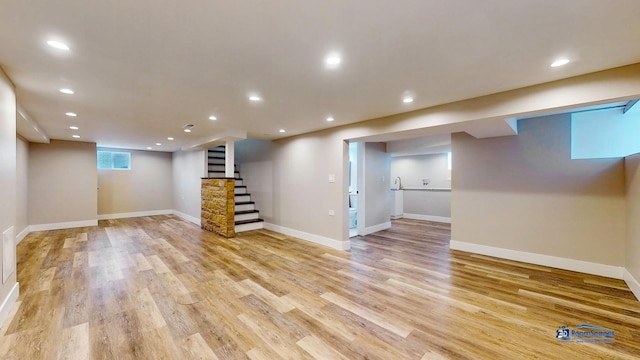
(114,160)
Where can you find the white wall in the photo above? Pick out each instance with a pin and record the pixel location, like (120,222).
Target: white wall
(377,206)
(604,133)
(290,180)
(63,184)
(419,204)
(255,159)
(412,169)
(146,188)
(524,193)
(22,178)
(303,194)
(9,288)
(435,144)
(189,167)
(632,248)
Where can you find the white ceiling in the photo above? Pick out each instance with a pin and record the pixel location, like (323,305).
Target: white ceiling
(142,69)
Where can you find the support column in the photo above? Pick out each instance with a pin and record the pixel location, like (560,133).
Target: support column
(217,210)
(229,159)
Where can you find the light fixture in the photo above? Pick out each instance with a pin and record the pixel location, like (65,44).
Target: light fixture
(149,148)
(187,128)
(282,130)
(254,98)
(560,62)
(74,128)
(72,114)
(408,96)
(58,45)
(169,138)
(158,144)
(213,117)
(330,118)
(75,136)
(67,91)
(333,60)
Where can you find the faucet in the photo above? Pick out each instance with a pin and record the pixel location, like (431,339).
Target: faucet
(399,182)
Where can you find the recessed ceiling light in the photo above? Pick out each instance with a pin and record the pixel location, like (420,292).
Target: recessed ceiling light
(560,62)
(74,128)
(158,144)
(58,45)
(169,138)
(333,60)
(255,98)
(330,118)
(281,130)
(407,100)
(67,91)
(148,147)
(213,117)
(72,114)
(75,136)
(187,128)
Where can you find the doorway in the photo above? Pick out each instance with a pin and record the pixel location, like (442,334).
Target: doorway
(354,187)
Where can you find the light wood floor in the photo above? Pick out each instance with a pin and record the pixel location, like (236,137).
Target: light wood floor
(160,288)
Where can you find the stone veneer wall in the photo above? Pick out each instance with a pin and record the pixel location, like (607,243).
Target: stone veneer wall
(217,211)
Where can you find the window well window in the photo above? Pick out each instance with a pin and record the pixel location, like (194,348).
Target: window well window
(114,160)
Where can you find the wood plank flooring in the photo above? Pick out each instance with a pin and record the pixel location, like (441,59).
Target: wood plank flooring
(160,288)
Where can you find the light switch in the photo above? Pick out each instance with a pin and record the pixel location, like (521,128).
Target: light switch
(332,213)
(332,178)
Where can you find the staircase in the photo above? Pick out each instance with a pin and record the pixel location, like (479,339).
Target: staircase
(246,216)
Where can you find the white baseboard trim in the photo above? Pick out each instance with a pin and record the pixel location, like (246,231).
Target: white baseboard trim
(632,283)
(190,218)
(63,225)
(376,228)
(23,234)
(441,219)
(586,267)
(8,302)
(317,239)
(134,214)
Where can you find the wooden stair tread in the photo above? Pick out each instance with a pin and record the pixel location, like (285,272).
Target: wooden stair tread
(245,202)
(241,222)
(242,212)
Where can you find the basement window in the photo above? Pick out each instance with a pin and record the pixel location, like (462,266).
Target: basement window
(114,160)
